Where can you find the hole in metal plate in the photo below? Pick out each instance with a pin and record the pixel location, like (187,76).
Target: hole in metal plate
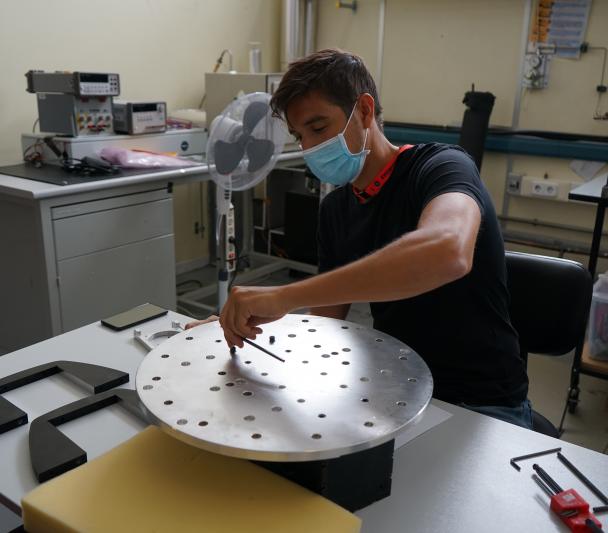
(185,363)
(316,436)
(368,424)
(256,436)
(249,418)
(168,402)
(182,422)
(147,387)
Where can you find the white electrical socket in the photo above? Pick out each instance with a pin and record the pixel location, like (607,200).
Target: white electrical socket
(545,188)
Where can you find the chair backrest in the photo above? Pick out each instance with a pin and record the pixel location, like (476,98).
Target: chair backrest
(550,300)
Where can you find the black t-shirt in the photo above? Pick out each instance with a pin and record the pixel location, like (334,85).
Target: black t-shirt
(462,330)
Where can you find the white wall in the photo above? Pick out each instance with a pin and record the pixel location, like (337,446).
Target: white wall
(160,48)
(434,50)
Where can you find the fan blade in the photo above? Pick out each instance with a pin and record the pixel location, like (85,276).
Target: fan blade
(228,156)
(255,112)
(259,152)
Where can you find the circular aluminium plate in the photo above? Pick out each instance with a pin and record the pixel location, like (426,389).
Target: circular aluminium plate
(342,388)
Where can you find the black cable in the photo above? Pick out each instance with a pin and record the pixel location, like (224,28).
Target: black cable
(601,88)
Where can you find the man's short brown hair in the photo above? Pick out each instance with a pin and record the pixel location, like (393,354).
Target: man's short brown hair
(339,76)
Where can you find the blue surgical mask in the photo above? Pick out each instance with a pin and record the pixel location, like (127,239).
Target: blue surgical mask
(332,162)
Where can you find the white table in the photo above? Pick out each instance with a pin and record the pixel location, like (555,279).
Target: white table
(76,253)
(455,477)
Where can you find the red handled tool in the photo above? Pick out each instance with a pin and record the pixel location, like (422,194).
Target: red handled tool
(572,509)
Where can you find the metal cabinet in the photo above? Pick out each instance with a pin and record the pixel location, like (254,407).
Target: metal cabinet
(69,260)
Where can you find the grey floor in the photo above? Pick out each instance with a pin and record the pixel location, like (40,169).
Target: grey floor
(549,376)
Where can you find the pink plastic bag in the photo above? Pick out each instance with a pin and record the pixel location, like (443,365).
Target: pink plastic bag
(132,159)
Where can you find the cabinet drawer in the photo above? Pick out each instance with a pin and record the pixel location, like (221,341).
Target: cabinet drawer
(99,285)
(102,230)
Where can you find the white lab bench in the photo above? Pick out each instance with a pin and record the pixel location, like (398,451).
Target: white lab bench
(454,477)
(76,253)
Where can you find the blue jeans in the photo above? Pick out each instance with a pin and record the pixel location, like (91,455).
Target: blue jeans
(520,415)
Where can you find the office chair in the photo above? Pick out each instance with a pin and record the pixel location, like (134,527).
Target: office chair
(550,300)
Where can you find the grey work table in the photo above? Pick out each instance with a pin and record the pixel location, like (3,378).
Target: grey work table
(25,188)
(76,253)
(455,477)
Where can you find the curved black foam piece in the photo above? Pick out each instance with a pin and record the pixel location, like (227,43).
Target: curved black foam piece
(95,378)
(53,453)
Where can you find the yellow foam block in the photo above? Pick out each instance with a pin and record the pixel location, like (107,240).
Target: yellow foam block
(155,483)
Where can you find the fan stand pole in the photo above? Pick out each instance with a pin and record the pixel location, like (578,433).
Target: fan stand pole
(223,198)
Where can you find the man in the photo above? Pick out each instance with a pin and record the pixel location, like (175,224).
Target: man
(411,230)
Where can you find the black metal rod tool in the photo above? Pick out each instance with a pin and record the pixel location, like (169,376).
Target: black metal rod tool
(263,350)
(593,526)
(581,476)
(547,479)
(530,456)
(543,485)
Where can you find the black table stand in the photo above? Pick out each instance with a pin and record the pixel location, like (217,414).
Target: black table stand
(574,390)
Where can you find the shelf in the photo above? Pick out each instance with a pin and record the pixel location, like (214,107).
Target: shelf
(593,365)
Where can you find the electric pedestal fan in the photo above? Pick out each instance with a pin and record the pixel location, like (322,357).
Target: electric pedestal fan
(244,143)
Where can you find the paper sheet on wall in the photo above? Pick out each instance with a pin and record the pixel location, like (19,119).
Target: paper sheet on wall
(561,23)
(432,416)
(586,169)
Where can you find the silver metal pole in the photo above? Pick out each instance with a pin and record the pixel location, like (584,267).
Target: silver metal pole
(380,46)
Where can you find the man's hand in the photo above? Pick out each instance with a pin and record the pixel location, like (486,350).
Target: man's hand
(249,307)
(211,318)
